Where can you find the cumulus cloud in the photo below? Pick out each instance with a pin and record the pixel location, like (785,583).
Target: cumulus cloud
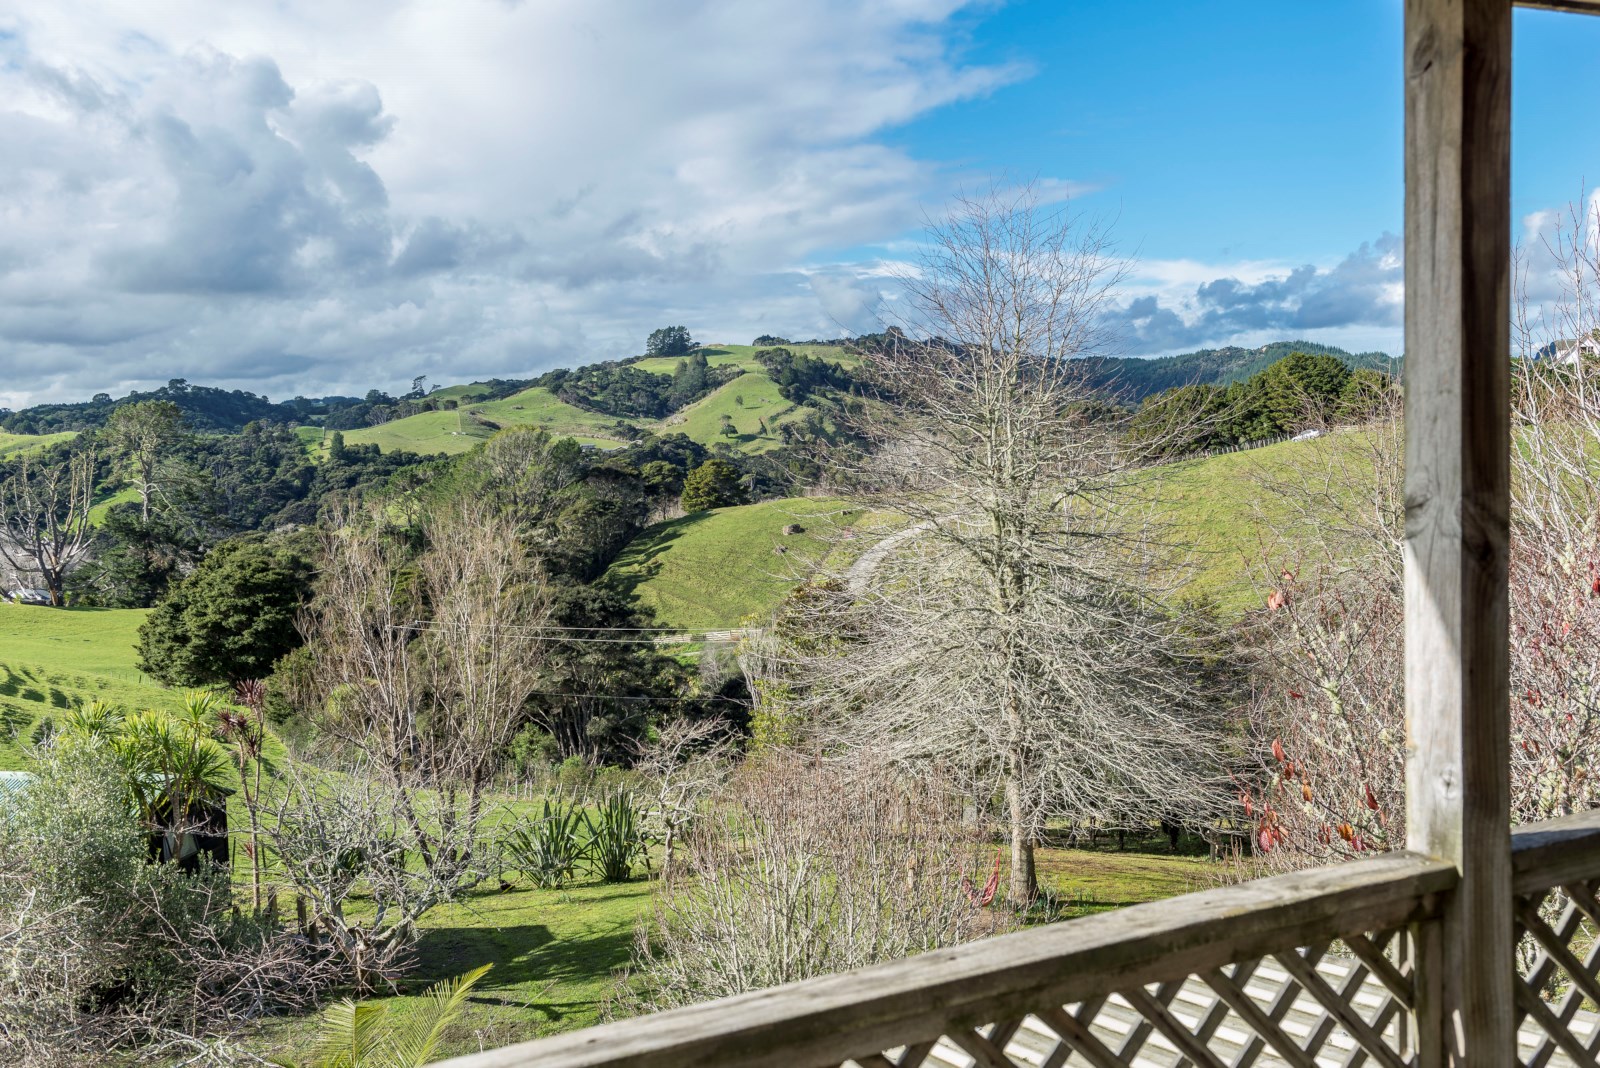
(307,196)
(1362,293)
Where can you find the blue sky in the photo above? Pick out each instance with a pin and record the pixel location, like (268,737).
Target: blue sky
(298,197)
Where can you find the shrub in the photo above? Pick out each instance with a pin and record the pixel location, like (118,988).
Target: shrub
(548,850)
(714,484)
(617,839)
(99,947)
(810,867)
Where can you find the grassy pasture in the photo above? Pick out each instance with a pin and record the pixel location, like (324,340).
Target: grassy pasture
(710,570)
(1233,529)
(18,444)
(456,432)
(54,658)
(702,420)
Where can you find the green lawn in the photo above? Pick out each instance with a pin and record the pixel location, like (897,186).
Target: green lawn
(711,570)
(53,658)
(555,953)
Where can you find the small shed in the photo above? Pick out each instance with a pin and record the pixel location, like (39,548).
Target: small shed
(199,830)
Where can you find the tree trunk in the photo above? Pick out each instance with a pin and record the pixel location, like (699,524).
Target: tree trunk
(1024,880)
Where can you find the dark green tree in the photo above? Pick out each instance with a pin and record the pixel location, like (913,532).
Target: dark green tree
(1366,396)
(230,619)
(688,381)
(668,341)
(1303,389)
(601,686)
(336,447)
(714,484)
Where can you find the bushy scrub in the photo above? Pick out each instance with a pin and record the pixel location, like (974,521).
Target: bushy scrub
(100,947)
(808,867)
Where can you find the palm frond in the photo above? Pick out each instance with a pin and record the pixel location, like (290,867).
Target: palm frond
(351,1033)
(413,1040)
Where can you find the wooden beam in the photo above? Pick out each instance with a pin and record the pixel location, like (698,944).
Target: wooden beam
(826,1020)
(1457,346)
(1577,7)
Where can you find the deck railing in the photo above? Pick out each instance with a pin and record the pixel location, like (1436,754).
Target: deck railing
(1320,967)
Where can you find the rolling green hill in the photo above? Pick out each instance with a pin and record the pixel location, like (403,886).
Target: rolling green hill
(17,444)
(713,569)
(1133,378)
(457,431)
(53,658)
(710,570)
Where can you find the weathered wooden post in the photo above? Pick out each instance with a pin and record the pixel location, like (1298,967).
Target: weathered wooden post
(1457,372)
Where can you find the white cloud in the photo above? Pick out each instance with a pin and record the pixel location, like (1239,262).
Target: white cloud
(1174,305)
(307,196)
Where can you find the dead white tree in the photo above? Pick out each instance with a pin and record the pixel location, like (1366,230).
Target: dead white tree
(1016,634)
(45,528)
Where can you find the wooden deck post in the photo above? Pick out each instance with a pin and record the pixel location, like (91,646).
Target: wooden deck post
(1457,371)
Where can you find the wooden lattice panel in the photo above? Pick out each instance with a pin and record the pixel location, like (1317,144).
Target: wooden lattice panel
(1557,990)
(1338,1005)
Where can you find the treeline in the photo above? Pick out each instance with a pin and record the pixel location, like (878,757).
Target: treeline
(1301,391)
(1132,379)
(203,407)
(623,390)
(169,496)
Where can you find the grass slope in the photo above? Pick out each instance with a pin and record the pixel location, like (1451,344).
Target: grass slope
(702,420)
(17,444)
(456,432)
(53,658)
(711,569)
(744,356)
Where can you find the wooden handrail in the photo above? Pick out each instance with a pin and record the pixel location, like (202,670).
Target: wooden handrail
(827,1020)
(1555,852)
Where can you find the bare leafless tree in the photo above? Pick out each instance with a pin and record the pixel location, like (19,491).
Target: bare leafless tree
(680,767)
(1013,631)
(1328,708)
(421,664)
(45,528)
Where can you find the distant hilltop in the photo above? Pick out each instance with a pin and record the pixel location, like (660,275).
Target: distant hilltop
(1130,379)
(1133,378)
